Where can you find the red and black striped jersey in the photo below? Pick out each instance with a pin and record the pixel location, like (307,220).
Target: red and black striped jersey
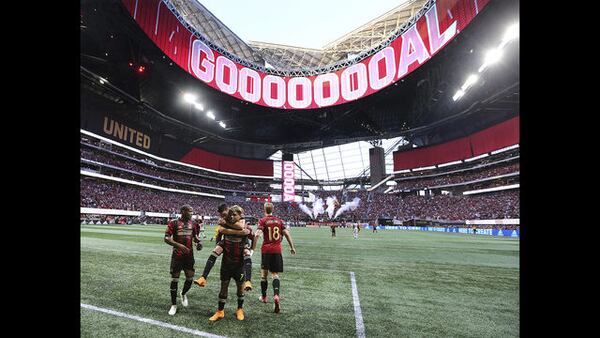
(233,253)
(183,233)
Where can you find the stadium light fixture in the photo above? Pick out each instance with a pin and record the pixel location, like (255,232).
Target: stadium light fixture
(458,94)
(512,33)
(190,98)
(492,56)
(222,124)
(199,106)
(210,115)
(470,81)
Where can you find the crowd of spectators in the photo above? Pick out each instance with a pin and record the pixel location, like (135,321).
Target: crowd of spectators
(459,177)
(136,163)
(506,156)
(105,194)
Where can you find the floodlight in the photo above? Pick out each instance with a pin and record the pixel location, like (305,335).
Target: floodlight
(470,81)
(190,98)
(511,33)
(493,56)
(458,94)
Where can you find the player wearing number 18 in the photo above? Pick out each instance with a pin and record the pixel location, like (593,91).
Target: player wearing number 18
(274,229)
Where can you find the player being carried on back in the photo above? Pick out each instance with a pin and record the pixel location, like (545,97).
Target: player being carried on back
(232,266)
(223,228)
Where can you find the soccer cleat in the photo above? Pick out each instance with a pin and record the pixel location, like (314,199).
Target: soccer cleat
(184,300)
(276,301)
(239,314)
(247,286)
(201,282)
(173,310)
(218,315)
(262,299)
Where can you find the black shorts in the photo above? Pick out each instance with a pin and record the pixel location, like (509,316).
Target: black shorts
(272,262)
(185,263)
(236,272)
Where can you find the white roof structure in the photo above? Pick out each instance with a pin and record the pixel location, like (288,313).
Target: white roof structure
(292,58)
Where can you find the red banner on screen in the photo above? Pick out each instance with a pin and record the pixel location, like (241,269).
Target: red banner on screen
(432,31)
(289,182)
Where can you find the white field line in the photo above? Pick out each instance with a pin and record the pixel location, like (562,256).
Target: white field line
(150,321)
(360,326)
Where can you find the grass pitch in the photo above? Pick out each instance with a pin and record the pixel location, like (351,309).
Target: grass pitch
(410,284)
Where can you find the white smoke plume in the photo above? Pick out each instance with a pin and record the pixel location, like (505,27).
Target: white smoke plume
(311,197)
(306,210)
(318,208)
(331,205)
(348,205)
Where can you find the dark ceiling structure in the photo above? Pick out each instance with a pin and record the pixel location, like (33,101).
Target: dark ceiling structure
(419,107)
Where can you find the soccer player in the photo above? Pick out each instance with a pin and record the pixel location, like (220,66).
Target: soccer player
(232,265)
(179,234)
(273,229)
(332,230)
(374,227)
(355,230)
(223,228)
(200,223)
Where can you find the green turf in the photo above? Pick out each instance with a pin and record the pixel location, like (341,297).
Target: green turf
(410,284)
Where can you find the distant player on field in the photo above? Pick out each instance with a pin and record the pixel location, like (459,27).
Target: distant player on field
(179,234)
(273,229)
(200,223)
(355,230)
(332,230)
(232,265)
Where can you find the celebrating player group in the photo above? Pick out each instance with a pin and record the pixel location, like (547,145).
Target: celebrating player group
(236,241)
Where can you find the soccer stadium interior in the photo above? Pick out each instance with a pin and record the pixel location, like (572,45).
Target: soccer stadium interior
(434,147)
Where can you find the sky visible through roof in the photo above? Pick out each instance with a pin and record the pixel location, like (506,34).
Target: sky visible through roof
(307,23)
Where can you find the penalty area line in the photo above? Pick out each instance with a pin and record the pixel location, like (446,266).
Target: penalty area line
(360,326)
(150,321)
